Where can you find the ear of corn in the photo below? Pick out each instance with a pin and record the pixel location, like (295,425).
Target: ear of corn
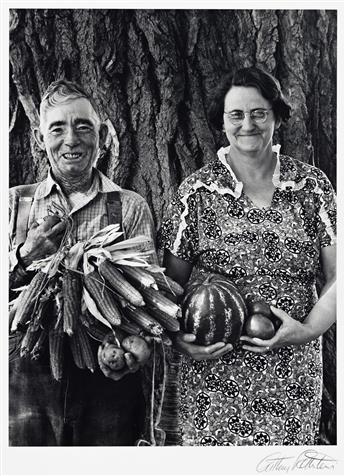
(119,283)
(103,298)
(40,345)
(87,319)
(144,320)
(156,299)
(130,327)
(139,276)
(56,343)
(86,350)
(169,323)
(165,283)
(120,299)
(71,292)
(46,314)
(77,353)
(30,338)
(28,299)
(97,331)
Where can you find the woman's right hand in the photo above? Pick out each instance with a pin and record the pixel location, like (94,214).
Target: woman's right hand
(184,344)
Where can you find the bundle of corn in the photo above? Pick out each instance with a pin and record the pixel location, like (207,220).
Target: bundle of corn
(125,293)
(89,290)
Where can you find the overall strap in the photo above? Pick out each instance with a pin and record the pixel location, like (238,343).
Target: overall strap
(25,198)
(114,208)
(25,195)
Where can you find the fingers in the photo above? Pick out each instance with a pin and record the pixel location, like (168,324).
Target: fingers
(257,349)
(57,229)
(187,337)
(222,351)
(256,341)
(49,221)
(282,315)
(201,352)
(211,349)
(132,364)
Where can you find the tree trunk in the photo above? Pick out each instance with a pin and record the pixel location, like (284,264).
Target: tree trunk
(151,73)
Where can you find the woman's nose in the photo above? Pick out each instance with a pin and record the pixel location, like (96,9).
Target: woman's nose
(247,123)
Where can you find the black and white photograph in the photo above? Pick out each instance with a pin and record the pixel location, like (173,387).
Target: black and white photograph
(170,195)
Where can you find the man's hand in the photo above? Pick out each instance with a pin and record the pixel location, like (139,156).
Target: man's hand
(137,353)
(184,344)
(291,332)
(42,240)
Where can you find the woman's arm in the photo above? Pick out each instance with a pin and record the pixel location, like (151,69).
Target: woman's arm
(318,321)
(176,268)
(180,271)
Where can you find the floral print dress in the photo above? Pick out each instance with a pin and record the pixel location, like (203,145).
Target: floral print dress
(270,253)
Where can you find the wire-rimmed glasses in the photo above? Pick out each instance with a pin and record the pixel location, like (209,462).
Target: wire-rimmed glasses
(259,116)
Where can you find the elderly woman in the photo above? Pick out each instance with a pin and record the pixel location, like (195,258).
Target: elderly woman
(266,221)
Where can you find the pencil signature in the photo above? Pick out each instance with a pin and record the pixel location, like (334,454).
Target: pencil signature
(308,459)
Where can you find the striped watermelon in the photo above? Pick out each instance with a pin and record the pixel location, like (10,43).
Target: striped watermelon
(213,310)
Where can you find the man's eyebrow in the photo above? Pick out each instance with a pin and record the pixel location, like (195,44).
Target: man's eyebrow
(56,124)
(83,121)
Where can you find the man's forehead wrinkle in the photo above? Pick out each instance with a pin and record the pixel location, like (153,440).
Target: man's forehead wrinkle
(76,120)
(46,107)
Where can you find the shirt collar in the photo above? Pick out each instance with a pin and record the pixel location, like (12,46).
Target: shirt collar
(100,183)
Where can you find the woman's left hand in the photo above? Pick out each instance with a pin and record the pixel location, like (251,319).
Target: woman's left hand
(291,332)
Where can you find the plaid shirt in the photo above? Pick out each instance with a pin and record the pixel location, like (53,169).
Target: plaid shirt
(89,214)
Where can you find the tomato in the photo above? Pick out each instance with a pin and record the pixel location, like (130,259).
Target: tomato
(259,307)
(258,325)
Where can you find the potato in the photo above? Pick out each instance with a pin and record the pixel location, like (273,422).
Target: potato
(113,356)
(137,346)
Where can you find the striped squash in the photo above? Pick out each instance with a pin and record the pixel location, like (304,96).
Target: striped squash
(213,309)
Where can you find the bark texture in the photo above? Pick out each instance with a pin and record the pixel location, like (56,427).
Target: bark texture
(151,73)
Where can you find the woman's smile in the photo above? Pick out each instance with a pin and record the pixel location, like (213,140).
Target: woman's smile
(248,137)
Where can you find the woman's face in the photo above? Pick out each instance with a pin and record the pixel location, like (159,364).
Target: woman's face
(248,137)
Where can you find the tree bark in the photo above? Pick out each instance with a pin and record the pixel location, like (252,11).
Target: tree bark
(151,73)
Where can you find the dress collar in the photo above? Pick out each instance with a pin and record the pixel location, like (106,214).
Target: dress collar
(284,175)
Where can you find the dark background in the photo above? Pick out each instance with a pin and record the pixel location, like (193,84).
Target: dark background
(151,73)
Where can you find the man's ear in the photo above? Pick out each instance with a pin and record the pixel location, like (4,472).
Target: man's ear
(39,138)
(103,132)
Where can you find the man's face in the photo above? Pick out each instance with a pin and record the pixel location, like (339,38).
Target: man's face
(71,134)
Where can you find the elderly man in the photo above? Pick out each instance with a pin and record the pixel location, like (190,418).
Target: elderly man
(83,409)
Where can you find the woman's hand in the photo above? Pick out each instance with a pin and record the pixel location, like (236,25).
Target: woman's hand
(184,344)
(291,332)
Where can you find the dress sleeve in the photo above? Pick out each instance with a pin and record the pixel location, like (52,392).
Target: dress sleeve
(327,212)
(179,230)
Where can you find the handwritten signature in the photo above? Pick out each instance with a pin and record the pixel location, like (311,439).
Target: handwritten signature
(308,459)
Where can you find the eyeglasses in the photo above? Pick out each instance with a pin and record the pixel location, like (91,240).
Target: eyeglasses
(259,116)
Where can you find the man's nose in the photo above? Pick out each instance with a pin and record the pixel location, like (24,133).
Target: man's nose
(71,138)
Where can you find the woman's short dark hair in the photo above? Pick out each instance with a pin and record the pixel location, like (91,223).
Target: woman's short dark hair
(254,77)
